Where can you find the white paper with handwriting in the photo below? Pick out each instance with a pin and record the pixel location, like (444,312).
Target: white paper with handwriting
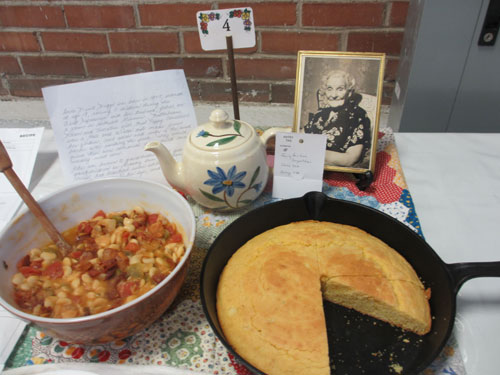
(299,161)
(102,126)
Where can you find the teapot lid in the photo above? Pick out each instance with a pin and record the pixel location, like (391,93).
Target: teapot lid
(221,133)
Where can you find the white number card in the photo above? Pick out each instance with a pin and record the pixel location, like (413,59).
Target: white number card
(299,160)
(215,25)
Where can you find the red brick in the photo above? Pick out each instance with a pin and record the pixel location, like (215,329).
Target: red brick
(343,14)
(145,42)
(269,13)
(388,42)
(22,42)
(192,44)
(9,65)
(221,92)
(47,65)
(215,91)
(75,42)
(30,87)
(99,16)
(266,68)
(110,67)
(282,93)
(391,69)
(399,11)
(291,42)
(193,67)
(31,16)
(176,14)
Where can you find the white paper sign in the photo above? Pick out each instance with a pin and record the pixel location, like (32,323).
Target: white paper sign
(22,146)
(102,126)
(298,164)
(215,25)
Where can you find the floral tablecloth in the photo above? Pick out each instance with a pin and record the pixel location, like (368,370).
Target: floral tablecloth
(182,337)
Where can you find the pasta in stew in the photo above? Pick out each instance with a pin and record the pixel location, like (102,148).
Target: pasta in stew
(115,258)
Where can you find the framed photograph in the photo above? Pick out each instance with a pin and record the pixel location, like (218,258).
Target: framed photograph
(338,94)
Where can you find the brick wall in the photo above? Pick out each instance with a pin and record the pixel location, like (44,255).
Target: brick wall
(53,42)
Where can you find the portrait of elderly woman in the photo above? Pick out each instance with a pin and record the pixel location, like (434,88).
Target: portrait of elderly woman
(339,100)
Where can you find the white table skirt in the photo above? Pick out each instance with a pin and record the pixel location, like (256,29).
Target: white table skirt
(454,180)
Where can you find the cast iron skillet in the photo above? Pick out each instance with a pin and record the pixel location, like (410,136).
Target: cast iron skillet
(360,345)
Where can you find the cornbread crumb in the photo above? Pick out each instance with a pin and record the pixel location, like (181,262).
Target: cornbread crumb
(396,367)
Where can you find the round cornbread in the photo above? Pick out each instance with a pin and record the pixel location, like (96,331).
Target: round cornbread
(278,279)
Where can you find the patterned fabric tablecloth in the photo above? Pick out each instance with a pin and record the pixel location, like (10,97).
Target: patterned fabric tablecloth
(182,337)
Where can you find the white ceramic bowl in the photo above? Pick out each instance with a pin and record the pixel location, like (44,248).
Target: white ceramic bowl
(66,208)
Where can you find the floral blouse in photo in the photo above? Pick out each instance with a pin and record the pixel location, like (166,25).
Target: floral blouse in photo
(344,126)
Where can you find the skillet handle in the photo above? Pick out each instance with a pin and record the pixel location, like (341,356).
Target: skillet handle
(462,272)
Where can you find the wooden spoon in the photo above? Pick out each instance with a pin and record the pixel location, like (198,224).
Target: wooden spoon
(34,207)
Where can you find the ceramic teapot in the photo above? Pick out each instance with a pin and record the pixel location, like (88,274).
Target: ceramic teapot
(224,164)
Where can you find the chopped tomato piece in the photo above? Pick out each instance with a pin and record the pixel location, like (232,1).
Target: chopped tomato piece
(75,254)
(84,228)
(125,235)
(132,246)
(152,218)
(29,270)
(177,237)
(127,288)
(99,213)
(54,270)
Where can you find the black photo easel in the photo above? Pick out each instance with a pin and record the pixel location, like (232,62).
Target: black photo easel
(364,180)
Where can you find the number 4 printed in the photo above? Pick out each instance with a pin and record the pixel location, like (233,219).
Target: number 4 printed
(215,25)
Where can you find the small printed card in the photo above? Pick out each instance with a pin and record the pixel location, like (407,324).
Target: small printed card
(215,25)
(298,164)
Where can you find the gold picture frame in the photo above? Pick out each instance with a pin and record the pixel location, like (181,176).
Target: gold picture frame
(348,121)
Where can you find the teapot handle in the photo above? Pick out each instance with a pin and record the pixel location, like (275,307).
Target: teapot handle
(271,132)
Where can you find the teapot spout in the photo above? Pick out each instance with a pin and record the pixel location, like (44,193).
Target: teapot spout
(171,169)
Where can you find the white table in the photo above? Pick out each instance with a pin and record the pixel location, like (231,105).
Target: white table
(454,180)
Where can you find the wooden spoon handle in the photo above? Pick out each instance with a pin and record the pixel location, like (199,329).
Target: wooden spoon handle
(36,210)
(5,162)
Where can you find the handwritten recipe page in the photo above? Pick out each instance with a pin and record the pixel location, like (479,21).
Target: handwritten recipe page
(102,126)
(298,164)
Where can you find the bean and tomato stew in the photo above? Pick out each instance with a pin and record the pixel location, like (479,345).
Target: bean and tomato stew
(115,258)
